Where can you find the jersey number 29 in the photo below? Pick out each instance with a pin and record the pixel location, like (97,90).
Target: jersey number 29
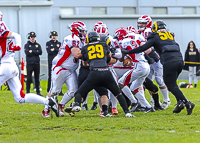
(95,51)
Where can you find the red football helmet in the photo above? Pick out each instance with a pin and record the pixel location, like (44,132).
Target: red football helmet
(79,29)
(120,33)
(146,20)
(1,16)
(97,24)
(131,29)
(102,30)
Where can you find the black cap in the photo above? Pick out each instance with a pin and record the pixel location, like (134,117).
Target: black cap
(32,34)
(54,33)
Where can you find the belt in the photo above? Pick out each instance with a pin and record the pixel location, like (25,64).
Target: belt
(100,69)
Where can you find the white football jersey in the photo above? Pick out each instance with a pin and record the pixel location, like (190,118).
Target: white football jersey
(146,32)
(65,58)
(131,43)
(6,54)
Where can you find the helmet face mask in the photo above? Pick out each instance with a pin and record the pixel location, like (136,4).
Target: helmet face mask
(144,22)
(79,29)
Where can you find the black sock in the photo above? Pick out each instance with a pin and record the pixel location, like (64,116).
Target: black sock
(156,99)
(77,98)
(122,102)
(104,108)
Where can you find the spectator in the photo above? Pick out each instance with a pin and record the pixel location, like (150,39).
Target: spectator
(33,50)
(192,55)
(52,48)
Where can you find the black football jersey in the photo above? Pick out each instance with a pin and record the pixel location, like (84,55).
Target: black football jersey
(96,54)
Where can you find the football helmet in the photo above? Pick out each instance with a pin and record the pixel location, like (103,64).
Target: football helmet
(102,31)
(131,29)
(120,33)
(92,37)
(79,29)
(144,19)
(1,16)
(97,24)
(159,24)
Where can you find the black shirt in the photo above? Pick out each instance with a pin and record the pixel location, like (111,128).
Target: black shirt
(96,54)
(192,56)
(165,46)
(52,45)
(33,57)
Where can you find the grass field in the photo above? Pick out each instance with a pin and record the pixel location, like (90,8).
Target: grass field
(24,123)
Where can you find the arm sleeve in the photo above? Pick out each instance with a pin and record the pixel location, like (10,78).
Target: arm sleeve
(48,48)
(26,50)
(17,38)
(142,48)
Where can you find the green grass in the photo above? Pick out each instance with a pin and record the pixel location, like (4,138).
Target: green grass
(23,123)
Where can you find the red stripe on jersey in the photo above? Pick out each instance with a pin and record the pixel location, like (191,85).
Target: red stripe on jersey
(3,43)
(132,55)
(128,78)
(22,93)
(64,57)
(61,70)
(136,90)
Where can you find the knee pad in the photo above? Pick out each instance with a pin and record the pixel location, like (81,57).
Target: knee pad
(159,81)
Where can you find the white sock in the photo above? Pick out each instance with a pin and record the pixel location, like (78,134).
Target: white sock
(165,94)
(66,98)
(126,90)
(34,98)
(46,106)
(113,100)
(141,98)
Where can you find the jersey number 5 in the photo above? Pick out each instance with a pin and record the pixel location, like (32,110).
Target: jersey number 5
(95,51)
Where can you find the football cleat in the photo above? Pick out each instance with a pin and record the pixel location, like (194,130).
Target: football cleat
(114,111)
(76,107)
(133,107)
(158,108)
(69,111)
(189,106)
(61,107)
(147,110)
(54,106)
(165,104)
(100,113)
(179,106)
(94,106)
(45,112)
(85,107)
(128,115)
(106,114)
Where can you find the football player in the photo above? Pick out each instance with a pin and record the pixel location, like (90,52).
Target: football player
(171,59)
(156,69)
(9,71)
(65,64)
(136,76)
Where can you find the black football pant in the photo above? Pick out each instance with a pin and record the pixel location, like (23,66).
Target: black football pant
(83,74)
(100,79)
(33,68)
(171,72)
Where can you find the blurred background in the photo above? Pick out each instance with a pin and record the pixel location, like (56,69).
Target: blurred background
(42,16)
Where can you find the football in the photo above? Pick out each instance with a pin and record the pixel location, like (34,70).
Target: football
(127,62)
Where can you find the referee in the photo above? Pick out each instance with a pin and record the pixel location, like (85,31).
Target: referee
(171,59)
(33,50)
(52,48)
